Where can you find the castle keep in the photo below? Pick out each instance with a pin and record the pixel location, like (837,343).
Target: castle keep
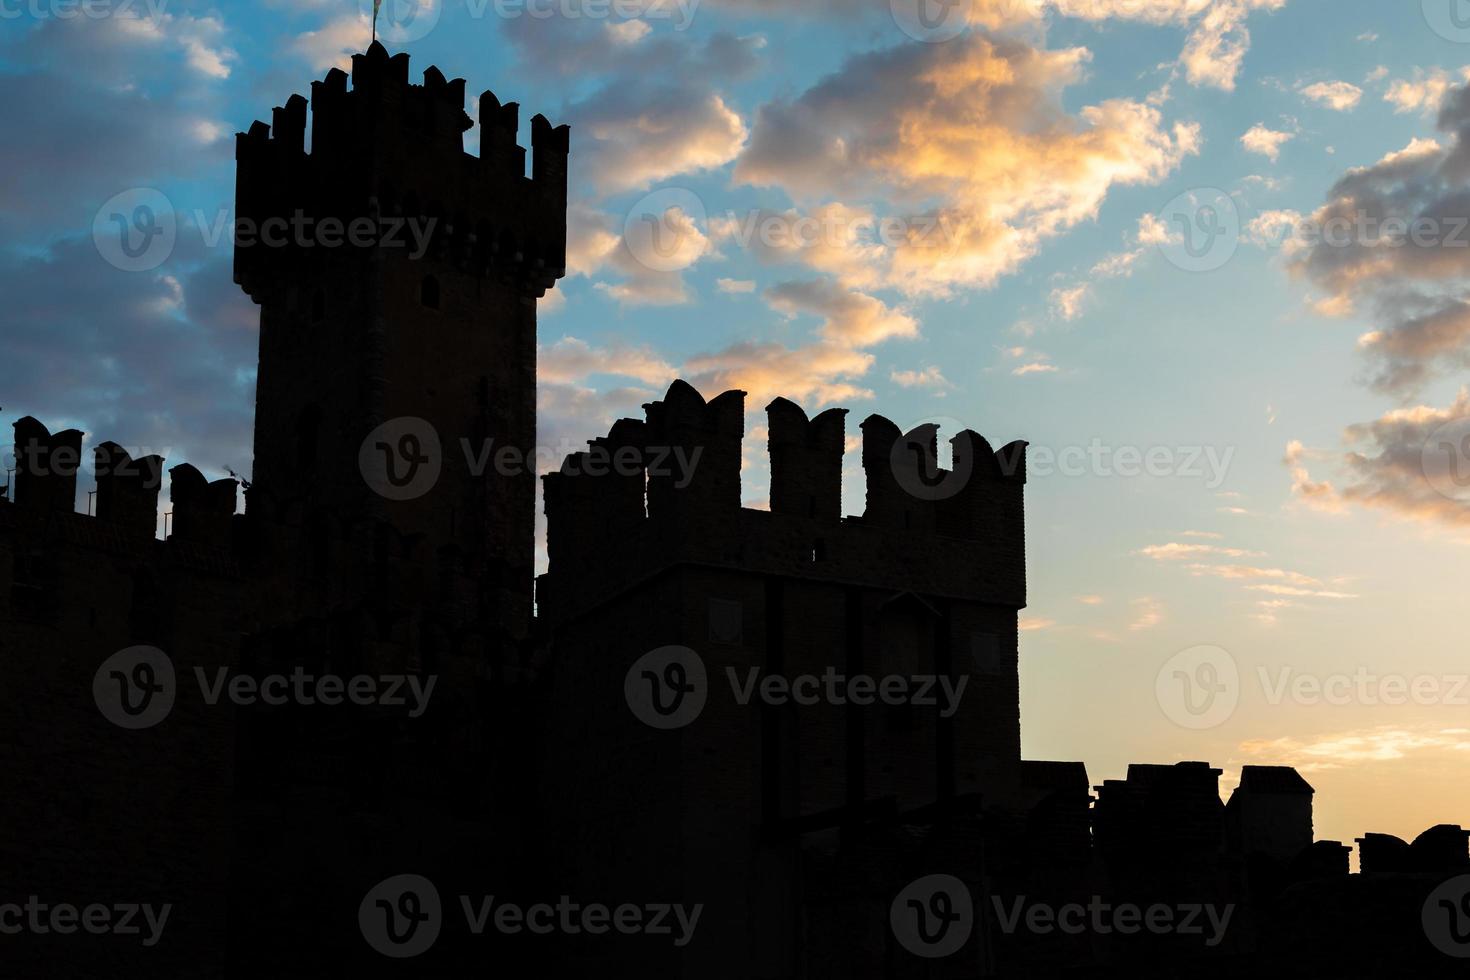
(370,545)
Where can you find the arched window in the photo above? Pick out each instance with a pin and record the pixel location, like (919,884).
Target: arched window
(318,306)
(429,292)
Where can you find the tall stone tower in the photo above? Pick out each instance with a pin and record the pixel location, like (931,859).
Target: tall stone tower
(391,513)
(397,277)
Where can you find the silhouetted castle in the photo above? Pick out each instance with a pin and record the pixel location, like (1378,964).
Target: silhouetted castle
(382,535)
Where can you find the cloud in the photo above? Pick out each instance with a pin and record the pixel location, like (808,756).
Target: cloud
(1148,613)
(1423,93)
(735,285)
(1394,464)
(1395,237)
(1338,96)
(1035,368)
(1175,551)
(571,359)
(1356,748)
(1317,495)
(848,317)
(817,373)
(333,44)
(70,365)
(595,244)
(1216,50)
(930,377)
(1266,142)
(971,131)
(1067,302)
(633,138)
(1294,590)
(1252,573)
(93,107)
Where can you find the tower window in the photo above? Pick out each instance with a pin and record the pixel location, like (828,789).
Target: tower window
(429,292)
(318,306)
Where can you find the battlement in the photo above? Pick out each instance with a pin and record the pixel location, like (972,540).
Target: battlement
(666,489)
(47,466)
(386,151)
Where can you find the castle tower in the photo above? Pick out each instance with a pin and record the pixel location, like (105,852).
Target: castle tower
(397,277)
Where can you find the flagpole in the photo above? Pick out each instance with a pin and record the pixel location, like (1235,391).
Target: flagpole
(376,4)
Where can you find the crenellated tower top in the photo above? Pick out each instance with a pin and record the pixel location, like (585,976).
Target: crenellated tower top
(388,150)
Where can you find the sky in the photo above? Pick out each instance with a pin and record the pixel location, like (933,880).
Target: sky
(1209,257)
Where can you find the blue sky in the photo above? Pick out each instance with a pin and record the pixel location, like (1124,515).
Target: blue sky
(988,236)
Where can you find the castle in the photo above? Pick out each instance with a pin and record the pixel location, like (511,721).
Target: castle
(370,546)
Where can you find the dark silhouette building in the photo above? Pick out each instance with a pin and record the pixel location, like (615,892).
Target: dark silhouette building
(807,724)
